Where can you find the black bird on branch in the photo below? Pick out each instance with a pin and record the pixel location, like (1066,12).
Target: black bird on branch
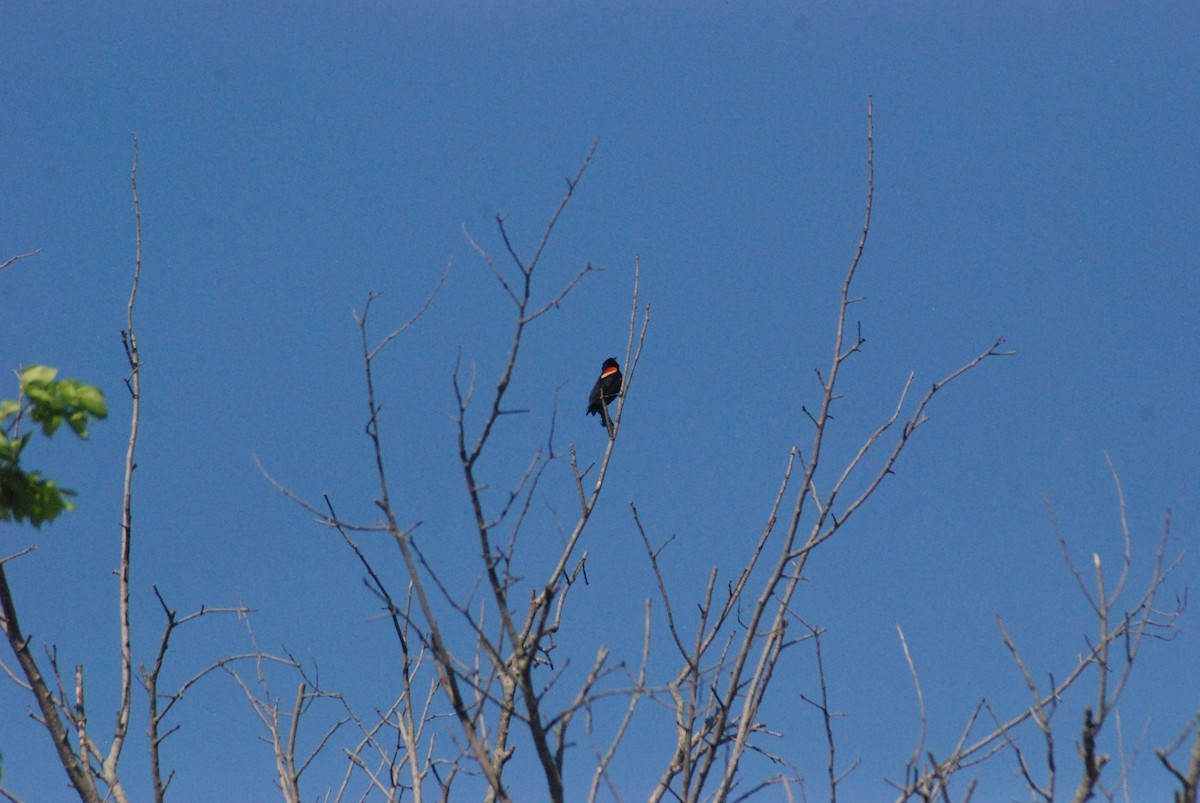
(607,388)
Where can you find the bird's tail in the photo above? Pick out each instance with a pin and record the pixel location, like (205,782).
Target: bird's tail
(607,421)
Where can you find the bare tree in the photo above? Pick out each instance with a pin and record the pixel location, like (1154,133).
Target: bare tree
(726,667)
(723,671)
(495,687)
(484,695)
(1121,629)
(63,713)
(92,766)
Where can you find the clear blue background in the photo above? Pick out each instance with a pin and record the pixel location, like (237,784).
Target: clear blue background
(1036,177)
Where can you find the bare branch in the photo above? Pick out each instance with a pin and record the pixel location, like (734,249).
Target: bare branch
(150,679)
(11,260)
(134,383)
(919,750)
(395,333)
(1188,778)
(1120,633)
(827,715)
(639,687)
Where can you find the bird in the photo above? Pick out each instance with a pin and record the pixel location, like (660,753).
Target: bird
(607,388)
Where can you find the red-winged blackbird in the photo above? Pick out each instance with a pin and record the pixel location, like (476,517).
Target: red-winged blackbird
(607,388)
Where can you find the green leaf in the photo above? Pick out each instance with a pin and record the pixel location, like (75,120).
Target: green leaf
(10,449)
(48,417)
(79,421)
(40,393)
(91,398)
(29,496)
(38,375)
(65,392)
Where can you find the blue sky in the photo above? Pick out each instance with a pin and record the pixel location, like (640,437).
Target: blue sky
(1036,178)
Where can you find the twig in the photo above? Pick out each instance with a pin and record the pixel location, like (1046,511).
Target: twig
(11,260)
